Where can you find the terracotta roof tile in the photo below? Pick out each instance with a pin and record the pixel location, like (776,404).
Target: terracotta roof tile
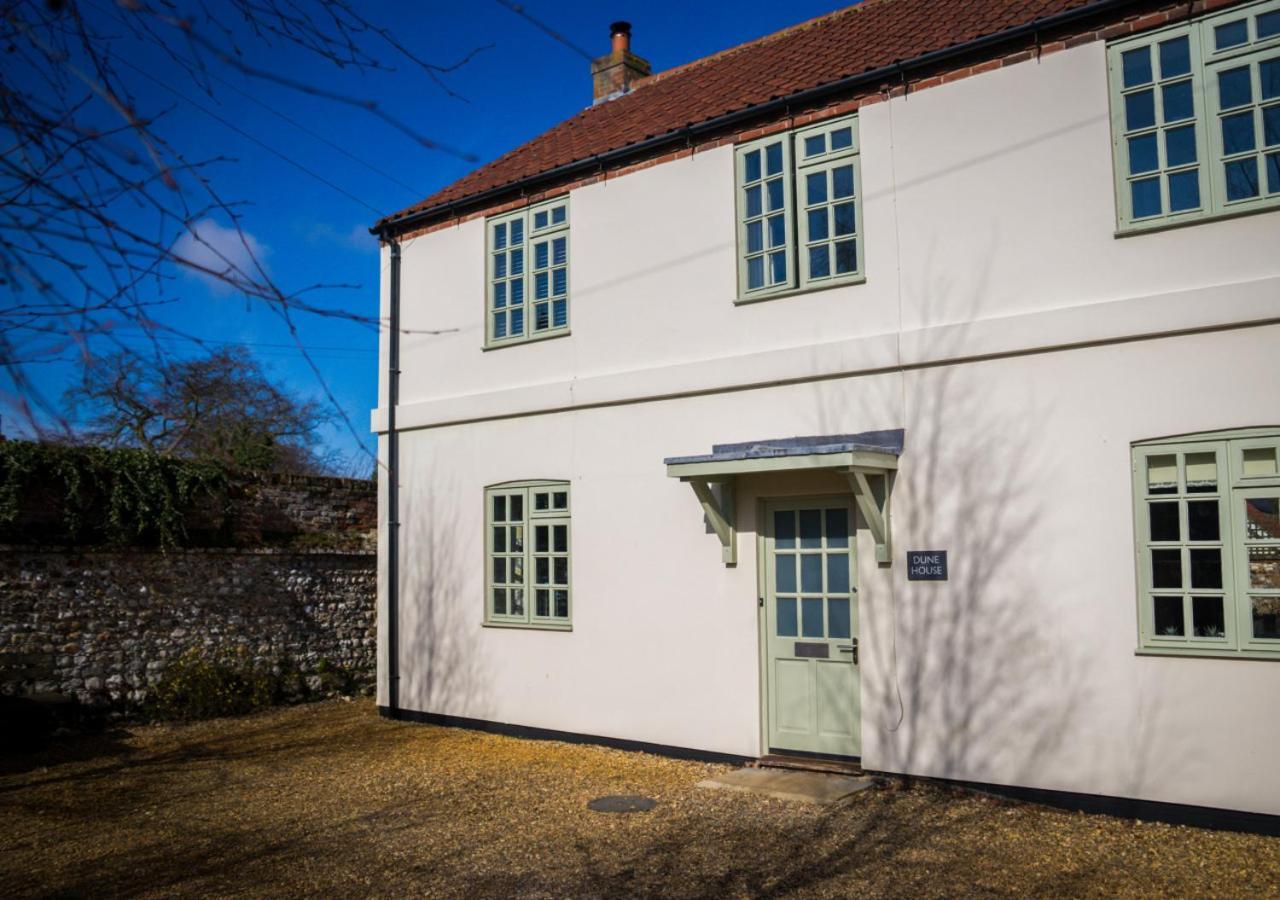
(870,35)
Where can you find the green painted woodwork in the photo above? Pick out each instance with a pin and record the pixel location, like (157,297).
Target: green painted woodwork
(860,458)
(809,573)
(1207,530)
(1181,154)
(527,274)
(527,555)
(798,203)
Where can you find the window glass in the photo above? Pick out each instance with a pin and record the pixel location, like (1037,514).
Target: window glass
(1198,117)
(1209,542)
(546,557)
(542,274)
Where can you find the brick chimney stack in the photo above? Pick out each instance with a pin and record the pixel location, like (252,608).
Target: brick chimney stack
(615,74)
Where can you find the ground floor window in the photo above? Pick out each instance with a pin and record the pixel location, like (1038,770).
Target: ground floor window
(1207,522)
(527,554)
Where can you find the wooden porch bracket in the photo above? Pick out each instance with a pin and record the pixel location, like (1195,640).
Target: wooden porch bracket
(875,511)
(719,512)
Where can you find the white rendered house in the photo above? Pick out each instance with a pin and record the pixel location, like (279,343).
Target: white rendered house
(904,386)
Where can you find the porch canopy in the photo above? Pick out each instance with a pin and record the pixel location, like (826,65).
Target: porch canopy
(871,456)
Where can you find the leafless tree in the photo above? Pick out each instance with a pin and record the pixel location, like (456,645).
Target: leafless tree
(221,407)
(98,206)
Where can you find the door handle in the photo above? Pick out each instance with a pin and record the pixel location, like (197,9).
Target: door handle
(851,647)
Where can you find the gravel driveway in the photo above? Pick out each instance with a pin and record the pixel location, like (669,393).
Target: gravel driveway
(329,799)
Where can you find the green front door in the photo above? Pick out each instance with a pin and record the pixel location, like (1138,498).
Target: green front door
(811,628)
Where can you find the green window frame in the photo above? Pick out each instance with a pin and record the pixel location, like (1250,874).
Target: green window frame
(527,274)
(799,210)
(1207,527)
(527,555)
(1195,118)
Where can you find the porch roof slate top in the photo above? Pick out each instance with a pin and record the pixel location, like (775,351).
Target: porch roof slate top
(888,441)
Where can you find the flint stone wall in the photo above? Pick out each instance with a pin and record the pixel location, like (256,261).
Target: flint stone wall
(102,626)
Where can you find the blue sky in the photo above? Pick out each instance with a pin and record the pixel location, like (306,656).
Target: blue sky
(309,233)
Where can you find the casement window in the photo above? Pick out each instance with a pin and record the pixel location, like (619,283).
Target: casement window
(527,292)
(1207,521)
(799,210)
(1195,118)
(527,554)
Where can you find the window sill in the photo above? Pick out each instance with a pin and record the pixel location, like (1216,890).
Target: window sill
(1209,653)
(547,336)
(791,292)
(1164,225)
(528,626)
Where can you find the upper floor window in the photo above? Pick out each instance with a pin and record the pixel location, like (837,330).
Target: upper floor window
(1208,533)
(527,554)
(528,274)
(799,210)
(1195,114)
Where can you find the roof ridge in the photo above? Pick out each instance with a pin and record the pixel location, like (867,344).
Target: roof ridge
(855,7)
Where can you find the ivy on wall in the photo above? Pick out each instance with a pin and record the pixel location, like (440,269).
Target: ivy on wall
(109,496)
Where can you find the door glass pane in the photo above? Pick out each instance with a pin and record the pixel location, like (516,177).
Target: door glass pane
(1168,616)
(837,573)
(785,578)
(784,529)
(810,528)
(1164,521)
(1206,568)
(1266,617)
(1264,567)
(1259,461)
(811,617)
(1262,518)
(811,573)
(787,624)
(838,625)
(1202,473)
(1166,568)
(837,528)
(1202,520)
(1207,619)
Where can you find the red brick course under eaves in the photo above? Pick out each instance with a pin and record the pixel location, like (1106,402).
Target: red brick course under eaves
(868,36)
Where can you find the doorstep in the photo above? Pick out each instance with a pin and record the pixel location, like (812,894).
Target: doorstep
(785,784)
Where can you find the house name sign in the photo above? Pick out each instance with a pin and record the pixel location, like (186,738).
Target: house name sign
(926,565)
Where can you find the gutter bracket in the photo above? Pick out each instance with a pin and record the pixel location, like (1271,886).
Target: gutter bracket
(874,509)
(719,512)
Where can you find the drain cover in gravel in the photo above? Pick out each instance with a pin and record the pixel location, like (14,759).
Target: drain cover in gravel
(622,804)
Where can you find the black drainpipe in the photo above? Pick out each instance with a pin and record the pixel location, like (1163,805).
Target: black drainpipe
(393,487)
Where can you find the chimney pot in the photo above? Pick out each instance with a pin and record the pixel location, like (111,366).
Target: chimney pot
(620,32)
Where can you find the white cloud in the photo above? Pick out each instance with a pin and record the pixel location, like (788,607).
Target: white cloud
(220,254)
